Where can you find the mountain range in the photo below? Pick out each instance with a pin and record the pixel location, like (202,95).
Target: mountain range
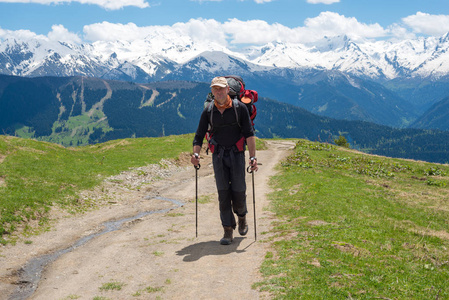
(389,83)
(160,54)
(75,111)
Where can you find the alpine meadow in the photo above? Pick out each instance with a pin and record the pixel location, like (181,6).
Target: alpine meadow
(347,224)
(339,190)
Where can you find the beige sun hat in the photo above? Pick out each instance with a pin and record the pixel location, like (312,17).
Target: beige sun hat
(219,81)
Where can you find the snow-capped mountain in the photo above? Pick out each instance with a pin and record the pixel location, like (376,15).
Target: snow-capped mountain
(422,57)
(160,54)
(210,63)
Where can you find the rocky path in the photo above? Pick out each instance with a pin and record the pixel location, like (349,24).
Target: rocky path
(153,256)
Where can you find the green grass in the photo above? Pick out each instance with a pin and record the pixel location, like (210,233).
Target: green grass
(111,286)
(70,297)
(205,199)
(260,144)
(354,226)
(72,132)
(148,289)
(34,176)
(350,226)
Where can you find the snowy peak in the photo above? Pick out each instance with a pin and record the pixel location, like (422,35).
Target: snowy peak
(209,63)
(337,43)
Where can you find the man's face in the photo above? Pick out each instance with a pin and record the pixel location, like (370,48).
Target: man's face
(220,93)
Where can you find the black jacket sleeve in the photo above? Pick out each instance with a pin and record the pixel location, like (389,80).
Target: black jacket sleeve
(201,130)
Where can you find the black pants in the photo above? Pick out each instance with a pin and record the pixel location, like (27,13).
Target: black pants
(229,168)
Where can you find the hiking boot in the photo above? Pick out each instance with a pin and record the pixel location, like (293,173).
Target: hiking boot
(243,226)
(227,238)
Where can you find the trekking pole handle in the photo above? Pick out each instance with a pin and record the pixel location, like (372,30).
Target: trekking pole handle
(197,156)
(249,167)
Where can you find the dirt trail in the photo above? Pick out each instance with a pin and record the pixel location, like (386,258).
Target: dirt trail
(156,256)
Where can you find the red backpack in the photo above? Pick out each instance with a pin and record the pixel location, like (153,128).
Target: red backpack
(248,97)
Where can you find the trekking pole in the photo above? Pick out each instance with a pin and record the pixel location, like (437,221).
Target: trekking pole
(254,201)
(197,167)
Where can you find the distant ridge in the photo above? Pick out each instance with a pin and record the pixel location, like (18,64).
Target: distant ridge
(388,83)
(76,111)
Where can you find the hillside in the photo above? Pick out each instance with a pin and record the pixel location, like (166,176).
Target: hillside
(437,117)
(357,226)
(36,176)
(422,93)
(385,82)
(337,95)
(79,111)
(156,195)
(329,221)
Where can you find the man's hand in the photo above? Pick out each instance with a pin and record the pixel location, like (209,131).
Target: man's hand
(253,164)
(195,159)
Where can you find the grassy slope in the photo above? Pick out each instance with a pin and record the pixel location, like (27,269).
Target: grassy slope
(354,226)
(36,175)
(351,226)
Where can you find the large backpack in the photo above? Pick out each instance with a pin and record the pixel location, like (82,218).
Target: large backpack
(238,94)
(237,91)
(248,97)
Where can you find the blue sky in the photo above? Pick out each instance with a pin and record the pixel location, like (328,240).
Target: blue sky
(232,22)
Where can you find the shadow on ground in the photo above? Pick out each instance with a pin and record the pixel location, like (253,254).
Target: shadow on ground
(196,251)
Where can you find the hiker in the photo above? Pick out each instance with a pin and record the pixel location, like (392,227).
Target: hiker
(230,131)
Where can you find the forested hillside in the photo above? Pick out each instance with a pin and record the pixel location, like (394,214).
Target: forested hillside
(436,117)
(76,111)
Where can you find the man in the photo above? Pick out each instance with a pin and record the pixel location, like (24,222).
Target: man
(230,128)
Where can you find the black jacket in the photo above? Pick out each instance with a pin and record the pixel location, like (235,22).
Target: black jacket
(226,131)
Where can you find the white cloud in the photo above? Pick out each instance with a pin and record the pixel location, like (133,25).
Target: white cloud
(19,34)
(259,32)
(332,24)
(235,31)
(61,34)
(326,24)
(323,1)
(106,31)
(428,24)
(196,29)
(238,32)
(107,4)
(203,29)
(58,33)
(398,32)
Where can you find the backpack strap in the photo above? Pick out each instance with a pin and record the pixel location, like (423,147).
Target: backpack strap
(235,104)
(210,107)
